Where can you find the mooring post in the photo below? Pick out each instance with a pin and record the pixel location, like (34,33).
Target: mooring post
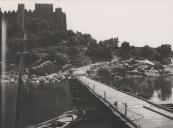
(94,88)
(104,95)
(125,109)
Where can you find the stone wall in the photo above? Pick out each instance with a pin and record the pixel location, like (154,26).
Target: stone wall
(41,12)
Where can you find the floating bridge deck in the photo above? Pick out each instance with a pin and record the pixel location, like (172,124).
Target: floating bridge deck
(134,111)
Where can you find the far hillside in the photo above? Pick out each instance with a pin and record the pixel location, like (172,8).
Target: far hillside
(49,47)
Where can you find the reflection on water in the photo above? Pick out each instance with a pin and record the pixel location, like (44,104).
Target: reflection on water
(158,89)
(38,103)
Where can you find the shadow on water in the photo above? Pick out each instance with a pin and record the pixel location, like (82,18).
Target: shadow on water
(163,86)
(151,88)
(38,103)
(97,114)
(42,102)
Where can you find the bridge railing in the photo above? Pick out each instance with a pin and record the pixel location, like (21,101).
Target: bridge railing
(117,104)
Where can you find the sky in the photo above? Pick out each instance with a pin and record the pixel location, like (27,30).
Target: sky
(140,22)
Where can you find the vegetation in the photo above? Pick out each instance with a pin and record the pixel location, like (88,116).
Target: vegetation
(147,52)
(164,51)
(47,43)
(104,75)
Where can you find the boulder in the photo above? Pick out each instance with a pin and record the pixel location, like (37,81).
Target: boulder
(44,68)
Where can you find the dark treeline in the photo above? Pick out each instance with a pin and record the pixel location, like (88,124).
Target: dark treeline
(106,49)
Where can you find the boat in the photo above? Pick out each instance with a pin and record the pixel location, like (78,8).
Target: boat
(65,120)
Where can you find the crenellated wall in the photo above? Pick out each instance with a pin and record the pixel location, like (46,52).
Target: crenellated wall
(41,12)
(11,17)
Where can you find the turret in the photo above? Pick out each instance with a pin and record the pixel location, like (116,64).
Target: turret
(59,18)
(20,18)
(44,11)
(64,21)
(59,10)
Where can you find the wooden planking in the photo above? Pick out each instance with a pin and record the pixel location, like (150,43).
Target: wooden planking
(136,111)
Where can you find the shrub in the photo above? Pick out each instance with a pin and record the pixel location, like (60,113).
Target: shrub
(104,74)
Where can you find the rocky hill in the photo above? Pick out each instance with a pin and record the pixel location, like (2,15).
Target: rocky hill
(118,68)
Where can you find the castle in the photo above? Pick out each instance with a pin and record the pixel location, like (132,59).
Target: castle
(42,12)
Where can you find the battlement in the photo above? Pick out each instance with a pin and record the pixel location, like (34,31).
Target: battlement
(42,12)
(40,8)
(13,11)
(30,11)
(58,9)
(21,6)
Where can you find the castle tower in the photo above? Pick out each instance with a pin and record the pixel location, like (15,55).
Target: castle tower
(20,19)
(64,21)
(44,12)
(59,18)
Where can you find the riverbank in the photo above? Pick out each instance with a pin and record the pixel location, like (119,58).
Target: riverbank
(118,68)
(9,77)
(157,89)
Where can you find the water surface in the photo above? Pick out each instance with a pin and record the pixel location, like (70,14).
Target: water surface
(43,102)
(38,103)
(157,89)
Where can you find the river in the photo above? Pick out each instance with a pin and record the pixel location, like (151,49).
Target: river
(38,103)
(156,89)
(42,102)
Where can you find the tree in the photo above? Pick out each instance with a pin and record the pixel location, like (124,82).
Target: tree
(164,50)
(72,51)
(99,53)
(104,74)
(146,52)
(125,46)
(116,42)
(111,43)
